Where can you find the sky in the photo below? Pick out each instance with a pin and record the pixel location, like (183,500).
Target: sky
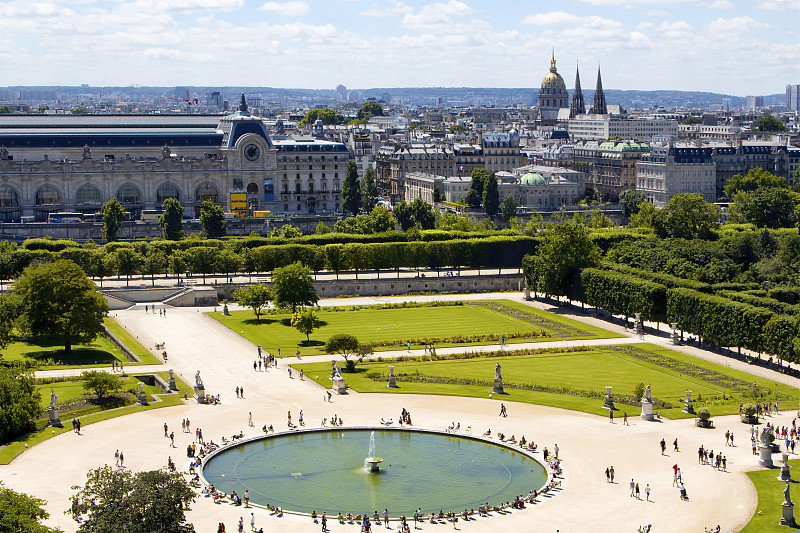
(726,46)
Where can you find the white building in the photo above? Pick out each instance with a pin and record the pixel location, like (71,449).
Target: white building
(670,169)
(595,127)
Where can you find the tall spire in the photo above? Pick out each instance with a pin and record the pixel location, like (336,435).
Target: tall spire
(599,107)
(553,62)
(578,107)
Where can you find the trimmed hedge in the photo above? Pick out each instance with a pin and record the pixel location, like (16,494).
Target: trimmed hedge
(667,280)
(622,294)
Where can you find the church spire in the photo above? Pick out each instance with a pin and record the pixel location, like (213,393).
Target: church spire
(599,107)
(578,107)
(553,62)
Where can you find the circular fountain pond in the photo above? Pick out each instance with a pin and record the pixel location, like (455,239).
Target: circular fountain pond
(325,470)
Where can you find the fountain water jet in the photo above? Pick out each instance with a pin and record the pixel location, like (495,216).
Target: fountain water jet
(371,463)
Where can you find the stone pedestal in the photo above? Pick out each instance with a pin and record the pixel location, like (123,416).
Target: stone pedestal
(647,410)
(608,403)
(788,509)
(498,386)
(54,418)
(687,403)
(674,337)
(339,385)
(142,397)
(765,456)
(785,474)
(200,393)
(172,385)
(392,382)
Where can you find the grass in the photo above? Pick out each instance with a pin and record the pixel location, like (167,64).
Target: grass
(391,329)
(132,344)
(13,449)
(574,371)
(770,496)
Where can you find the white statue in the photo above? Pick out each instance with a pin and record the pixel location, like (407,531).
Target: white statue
(141,387)
(765,437)
(788,502)
(197,381)
(647,398)
(497,371)
(53,398)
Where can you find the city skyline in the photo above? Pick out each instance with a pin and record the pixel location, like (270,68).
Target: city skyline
(704,45)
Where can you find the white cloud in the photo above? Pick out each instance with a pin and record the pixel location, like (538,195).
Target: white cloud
(158,6)
(551,19)
(436,14)
(720,4)
(735,25)
(394,8)
(778,5)
(294,8)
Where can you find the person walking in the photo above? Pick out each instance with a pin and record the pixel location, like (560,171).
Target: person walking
(324,522)
(608,475)
(116,458)
(647,491)
(250,418)
(611,471)
(121,460)
(386,518)
(663,446)
(611,415)
(633,487)
(253,521)
(675,445)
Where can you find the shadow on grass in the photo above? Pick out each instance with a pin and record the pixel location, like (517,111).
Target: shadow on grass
(75,357)
(263,321)
(311,344)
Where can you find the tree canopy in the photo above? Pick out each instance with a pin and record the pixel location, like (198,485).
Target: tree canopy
(756,178)
(629,201)
(256,297)
(22,513)
(689,216)
(171,219)
(369,191)
(491,196)
(344,344)
(370,109)
(113,215)
(351,191)
(292,287)
(770,123)
(765,207)
(212,220)
(116,499)
(59,301)
(100,383)
(305,321)
(327,115)
(20,402)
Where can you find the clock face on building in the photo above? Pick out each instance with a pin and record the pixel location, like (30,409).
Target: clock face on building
(251,152)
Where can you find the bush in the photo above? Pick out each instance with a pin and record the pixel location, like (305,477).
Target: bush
(704,414)
(638,390)
(749,409)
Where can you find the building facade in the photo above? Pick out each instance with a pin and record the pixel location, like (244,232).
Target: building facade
(670,169)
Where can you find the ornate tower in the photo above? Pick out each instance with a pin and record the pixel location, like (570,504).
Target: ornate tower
(578,107)
(599,107)
(552,94)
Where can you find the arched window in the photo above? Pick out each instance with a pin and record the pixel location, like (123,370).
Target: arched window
(8,197)
(129,194)
(47,195)
(166,190)
(88,195)
(206,191)
(252,188)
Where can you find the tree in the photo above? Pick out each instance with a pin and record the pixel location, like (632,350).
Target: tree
(491,196)
(228,261)
(113,215)
(770,123)
(437,195)
(381,220)
(473,198)
(212,220)
(334,257)
(154,263)
(5,110)
(293,287)
(351,193)
(79,111)
(369,191)
(457,128)
(765,207)
(564,250)
(171,219)
(404,216)
(100,383)
(344,344)
(370,109)
(116,499)
(9,312)
(756,178)
(20,512)
(327,115)
(688,216)
(629,201)
(59,301)
(688,121)
(322,228)
(256,297)
(127,262)
(423,214)
(305,321)
(508,208)
(20,402)
(203,259)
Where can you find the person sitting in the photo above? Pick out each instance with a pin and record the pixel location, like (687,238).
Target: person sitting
(488,433)
(501,436)
(264,429)
(340,518)
(512,440)
(458,426)
(224,440)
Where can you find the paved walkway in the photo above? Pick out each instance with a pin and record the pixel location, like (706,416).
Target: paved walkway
(588,444)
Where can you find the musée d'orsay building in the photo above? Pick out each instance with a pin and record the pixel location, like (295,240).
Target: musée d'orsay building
(75,163)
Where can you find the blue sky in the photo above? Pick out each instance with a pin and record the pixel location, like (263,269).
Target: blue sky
(722,46)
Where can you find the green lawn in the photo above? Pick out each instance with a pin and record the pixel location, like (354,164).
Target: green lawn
(571,379)
(91,416)
(47,356)
(770,497)
(391,329)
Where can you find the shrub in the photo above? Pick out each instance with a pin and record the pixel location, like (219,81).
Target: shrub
(703,414)
(749,409)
